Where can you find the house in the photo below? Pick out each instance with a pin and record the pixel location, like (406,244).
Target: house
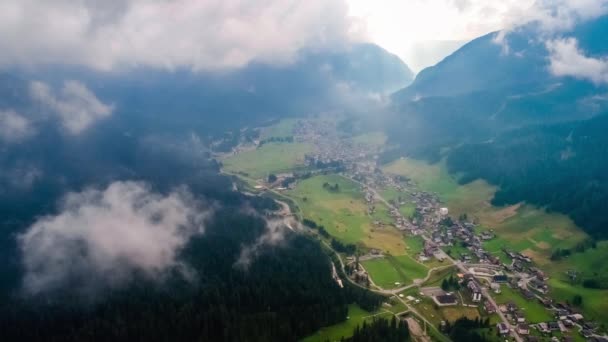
(528,294)
(576,317)
(475,291)
(501,278)
(447,299)
(568,323)
(523,329)
(502,328)
(490,309)
(519,317)
(553,326)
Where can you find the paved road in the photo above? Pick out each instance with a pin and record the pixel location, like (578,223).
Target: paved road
(395,291)
(458,264)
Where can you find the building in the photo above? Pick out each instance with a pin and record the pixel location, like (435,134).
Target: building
(446,299)
(523,329)
(490,309)
(475,290)
(501,278)
(502,328)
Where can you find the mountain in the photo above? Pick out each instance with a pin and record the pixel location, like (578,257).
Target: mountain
(497,112)
(71,137)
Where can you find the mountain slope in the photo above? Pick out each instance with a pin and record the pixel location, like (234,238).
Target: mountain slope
(504,117)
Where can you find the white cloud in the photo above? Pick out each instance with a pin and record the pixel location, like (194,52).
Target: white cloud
(274,235)
(553,17)
(77,107)
(14,127)
(101,236)
(438,26)
(201,34)
(566,59)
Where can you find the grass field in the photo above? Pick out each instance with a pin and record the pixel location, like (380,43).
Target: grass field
(344,213)
(270,158)
(407,209)
(374,139)
(453,313)
(388,271)
(521,227)
(590,263)
(356,316)
(532,309)
(283,128)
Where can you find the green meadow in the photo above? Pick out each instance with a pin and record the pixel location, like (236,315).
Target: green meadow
(394,269)
(373,139)
(532,309)
(343,213)
(281,129)
(356,316)
(520,227)
(269,158)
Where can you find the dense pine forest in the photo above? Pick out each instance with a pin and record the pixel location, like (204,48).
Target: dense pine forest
(561,167)
(284,294)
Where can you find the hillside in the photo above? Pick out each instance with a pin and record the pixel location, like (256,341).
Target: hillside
(505,117)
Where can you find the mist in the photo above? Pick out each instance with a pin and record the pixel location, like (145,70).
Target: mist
(101,237)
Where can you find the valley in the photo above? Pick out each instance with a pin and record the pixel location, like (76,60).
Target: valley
(437,249)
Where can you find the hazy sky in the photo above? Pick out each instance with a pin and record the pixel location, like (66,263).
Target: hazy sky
(212,34)
(422,32)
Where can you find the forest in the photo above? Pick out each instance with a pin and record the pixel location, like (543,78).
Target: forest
(286,293)
(560,167)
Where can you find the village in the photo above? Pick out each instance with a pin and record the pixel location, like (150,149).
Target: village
(481,274)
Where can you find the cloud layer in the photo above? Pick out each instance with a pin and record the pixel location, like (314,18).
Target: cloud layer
(566,59)
(201,34)
(13,126)
(75,105)
(101,236)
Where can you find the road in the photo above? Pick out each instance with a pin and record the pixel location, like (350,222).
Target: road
(287,210)
(458,264)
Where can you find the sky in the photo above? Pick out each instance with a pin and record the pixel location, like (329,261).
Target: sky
(422,32)
(220,34)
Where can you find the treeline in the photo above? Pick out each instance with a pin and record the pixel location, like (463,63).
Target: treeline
(288,139)
(380,330)
(580,247)
(312,224)
(450,284)
(286,293)
(465,330)
(561,167)
(331,187)
(343,248)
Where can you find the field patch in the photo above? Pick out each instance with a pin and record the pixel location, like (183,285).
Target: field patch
(373,139)
(343,213)
(519,227)
(356,316)
(453,313)
(532,309)
(282,129)
(391,272)
(269,158)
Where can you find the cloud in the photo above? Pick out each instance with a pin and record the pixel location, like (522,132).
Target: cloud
(75,105)
(199,34)
(276,230)
(101,237)
(566,59)
(14,127)
(552,17)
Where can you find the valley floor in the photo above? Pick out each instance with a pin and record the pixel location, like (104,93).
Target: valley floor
(405,251)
